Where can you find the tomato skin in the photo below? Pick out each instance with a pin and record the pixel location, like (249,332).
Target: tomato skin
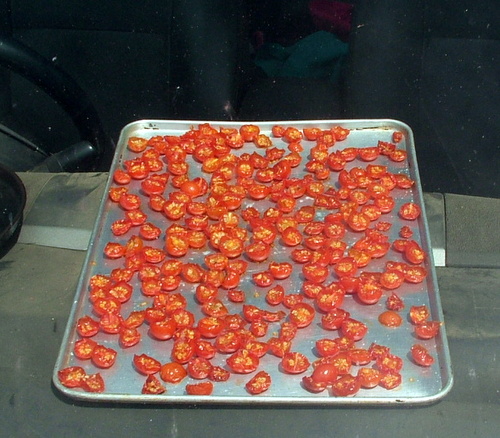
(259,383)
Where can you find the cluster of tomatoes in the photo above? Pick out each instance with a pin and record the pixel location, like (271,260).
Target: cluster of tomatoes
(240,209)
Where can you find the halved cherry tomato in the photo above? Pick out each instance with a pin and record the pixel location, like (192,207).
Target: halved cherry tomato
(295,363)
(72,377)
(427,330)
(353,329)
(419,314)
(93,383)
(302,314)
(103,357)
(390,318)
(145,364)
(202,388)
(242,362)
(259,383)
(368,377)
(84,348)
(346,386)
(152,386)
(421,355)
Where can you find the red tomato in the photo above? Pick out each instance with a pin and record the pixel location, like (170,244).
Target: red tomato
(219,374)
(242,362)
(93,383)
(353,329)
(427,330)
(312,386)
(275,295)
(86,326)
(129,337)
(368,377)
(394,302)
(84,348)
(325,373)
(258,251)
(145,364)
(333,319)
(280,271)
(369,292)
(414,253)
(173,372)
(152,386)
(392,279)
(258,383)
(249,132)
(315,272)
(72,377)
(211,326)
(295,363)
(202,388)
(302,314)
(103,357)
(390,380)
(346,386)
(137,144)
(199,368)
(419,314)
(291,236)
(163,330)
(421,355)
(390,318)
(409,211)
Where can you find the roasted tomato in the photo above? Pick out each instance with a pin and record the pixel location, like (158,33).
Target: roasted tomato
(421,355)
(258,383)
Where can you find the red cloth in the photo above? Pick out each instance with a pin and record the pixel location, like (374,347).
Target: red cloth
(332,16)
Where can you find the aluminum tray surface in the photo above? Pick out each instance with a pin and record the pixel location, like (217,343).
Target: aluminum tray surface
(420,385)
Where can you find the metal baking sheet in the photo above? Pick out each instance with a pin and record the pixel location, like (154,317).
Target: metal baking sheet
(123,384)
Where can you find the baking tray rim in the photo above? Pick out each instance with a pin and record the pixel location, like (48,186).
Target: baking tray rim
(159,124)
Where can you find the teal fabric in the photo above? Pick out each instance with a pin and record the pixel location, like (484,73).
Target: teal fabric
(319,55)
